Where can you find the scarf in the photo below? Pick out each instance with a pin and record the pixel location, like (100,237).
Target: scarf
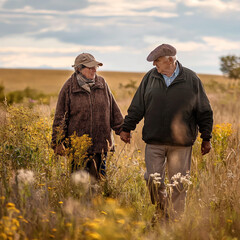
(84,82)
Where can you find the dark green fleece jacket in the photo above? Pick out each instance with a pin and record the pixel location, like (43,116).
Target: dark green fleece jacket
(172,115)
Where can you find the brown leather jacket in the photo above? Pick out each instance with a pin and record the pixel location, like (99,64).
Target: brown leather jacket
(95,113)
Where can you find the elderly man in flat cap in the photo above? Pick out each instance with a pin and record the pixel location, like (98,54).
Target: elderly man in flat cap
(174,105)
(86,106)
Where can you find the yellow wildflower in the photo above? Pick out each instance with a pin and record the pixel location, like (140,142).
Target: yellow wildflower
(223,130)
(93,235)
(24,220)
(16,222)
(111,201)
(122,221)
(92,225)
(3,236)
(120,211)
(10,205)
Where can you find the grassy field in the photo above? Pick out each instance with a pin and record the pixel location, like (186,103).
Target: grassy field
(50,81)
(39,199)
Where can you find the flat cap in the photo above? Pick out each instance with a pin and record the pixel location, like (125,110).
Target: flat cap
(87,60)
(161,51)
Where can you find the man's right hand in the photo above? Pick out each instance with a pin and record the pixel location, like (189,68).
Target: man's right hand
(125,136)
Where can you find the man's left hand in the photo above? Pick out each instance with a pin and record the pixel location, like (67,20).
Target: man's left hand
(206,147)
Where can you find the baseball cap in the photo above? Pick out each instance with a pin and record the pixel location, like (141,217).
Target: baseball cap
(87,60)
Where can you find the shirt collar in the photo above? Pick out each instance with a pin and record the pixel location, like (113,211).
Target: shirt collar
(175,73)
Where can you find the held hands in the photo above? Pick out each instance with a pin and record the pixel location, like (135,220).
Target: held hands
(206,147)
(125,136)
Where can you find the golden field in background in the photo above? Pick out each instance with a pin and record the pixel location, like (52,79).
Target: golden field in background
(50,81)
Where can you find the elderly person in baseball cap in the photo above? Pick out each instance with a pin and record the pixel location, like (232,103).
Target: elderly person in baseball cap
(174,105)
(86,106)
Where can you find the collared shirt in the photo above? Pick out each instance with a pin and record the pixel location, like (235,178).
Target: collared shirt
(169,80)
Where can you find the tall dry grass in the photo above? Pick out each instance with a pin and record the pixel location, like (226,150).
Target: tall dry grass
(40,199)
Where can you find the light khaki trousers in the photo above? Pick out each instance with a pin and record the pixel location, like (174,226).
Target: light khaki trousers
(174,159)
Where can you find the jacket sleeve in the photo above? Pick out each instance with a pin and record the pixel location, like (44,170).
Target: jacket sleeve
(116,117)
(204,114)
(60,122)
(136,109)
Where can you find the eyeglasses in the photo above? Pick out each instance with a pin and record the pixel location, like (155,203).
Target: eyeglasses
(93,68)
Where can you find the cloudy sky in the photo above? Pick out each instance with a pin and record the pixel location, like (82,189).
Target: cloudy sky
(120,33)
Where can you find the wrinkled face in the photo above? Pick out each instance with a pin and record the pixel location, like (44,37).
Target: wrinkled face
(162,64)
(89,73)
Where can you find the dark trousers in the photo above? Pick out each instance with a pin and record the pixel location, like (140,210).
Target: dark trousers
(95,164)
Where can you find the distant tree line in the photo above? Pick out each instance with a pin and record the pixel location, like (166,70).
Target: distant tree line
(230,65)
(18,96)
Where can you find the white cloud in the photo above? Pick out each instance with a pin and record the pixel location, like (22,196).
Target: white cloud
(30,60)
(205,43)
(162,9)
(48,45)
(188,46)
(130,8)
(189,13)
(105,11)
(213,5)
(72,50)
(221,44)
(137,4)
(29,52)
(31,10)
(2,2)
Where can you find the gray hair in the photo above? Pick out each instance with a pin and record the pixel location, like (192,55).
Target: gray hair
(173,57)
(79,67)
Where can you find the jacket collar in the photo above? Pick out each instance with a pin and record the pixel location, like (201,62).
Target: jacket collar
(76,88)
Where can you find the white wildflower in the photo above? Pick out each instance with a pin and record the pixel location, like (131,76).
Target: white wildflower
(156,182)
(156,178)
(73,207)
(153,175)
(185,180)
(176,176)
(25,177)
(175,183)
(81,177)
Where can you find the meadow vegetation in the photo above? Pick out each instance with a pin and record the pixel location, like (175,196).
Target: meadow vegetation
(40,199)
